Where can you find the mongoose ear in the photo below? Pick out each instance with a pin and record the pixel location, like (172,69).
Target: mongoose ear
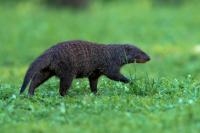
(128,48)
(127,51)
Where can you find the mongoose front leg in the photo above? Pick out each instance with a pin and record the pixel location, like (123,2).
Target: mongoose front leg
(37,80)
(65,83)
(118,77)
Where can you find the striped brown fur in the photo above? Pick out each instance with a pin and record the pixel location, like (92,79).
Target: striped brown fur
(79,59)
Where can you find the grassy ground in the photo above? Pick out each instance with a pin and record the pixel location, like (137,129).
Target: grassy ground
(163,96)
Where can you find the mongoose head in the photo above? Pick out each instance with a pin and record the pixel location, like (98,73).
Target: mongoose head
(134,54)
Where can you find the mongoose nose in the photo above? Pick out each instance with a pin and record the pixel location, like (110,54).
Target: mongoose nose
(148,58)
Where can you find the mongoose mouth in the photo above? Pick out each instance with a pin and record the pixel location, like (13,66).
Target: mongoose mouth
(142,60)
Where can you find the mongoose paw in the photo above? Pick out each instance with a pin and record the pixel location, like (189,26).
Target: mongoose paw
(95,93)
(62,94)
(30,94)
(131,82)
(126,81)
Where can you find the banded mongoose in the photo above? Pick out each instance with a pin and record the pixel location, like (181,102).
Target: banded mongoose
(78,59)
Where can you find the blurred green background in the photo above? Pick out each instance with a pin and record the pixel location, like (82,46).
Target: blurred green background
(168,30)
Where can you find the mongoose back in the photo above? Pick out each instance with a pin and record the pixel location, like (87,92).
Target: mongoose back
(79,59)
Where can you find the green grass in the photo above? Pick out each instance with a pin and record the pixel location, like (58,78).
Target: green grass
(164,95)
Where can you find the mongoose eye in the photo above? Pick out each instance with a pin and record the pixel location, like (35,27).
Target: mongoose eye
(137,57)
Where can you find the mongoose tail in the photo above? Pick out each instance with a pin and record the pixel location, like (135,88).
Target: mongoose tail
(39,64)
(26,81)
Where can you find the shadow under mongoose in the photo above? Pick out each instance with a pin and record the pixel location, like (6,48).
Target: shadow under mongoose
(79,59)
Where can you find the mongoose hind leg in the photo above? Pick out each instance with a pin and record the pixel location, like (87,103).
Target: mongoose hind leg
(93,83)
(65,83)
(66,76)
(37,80)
